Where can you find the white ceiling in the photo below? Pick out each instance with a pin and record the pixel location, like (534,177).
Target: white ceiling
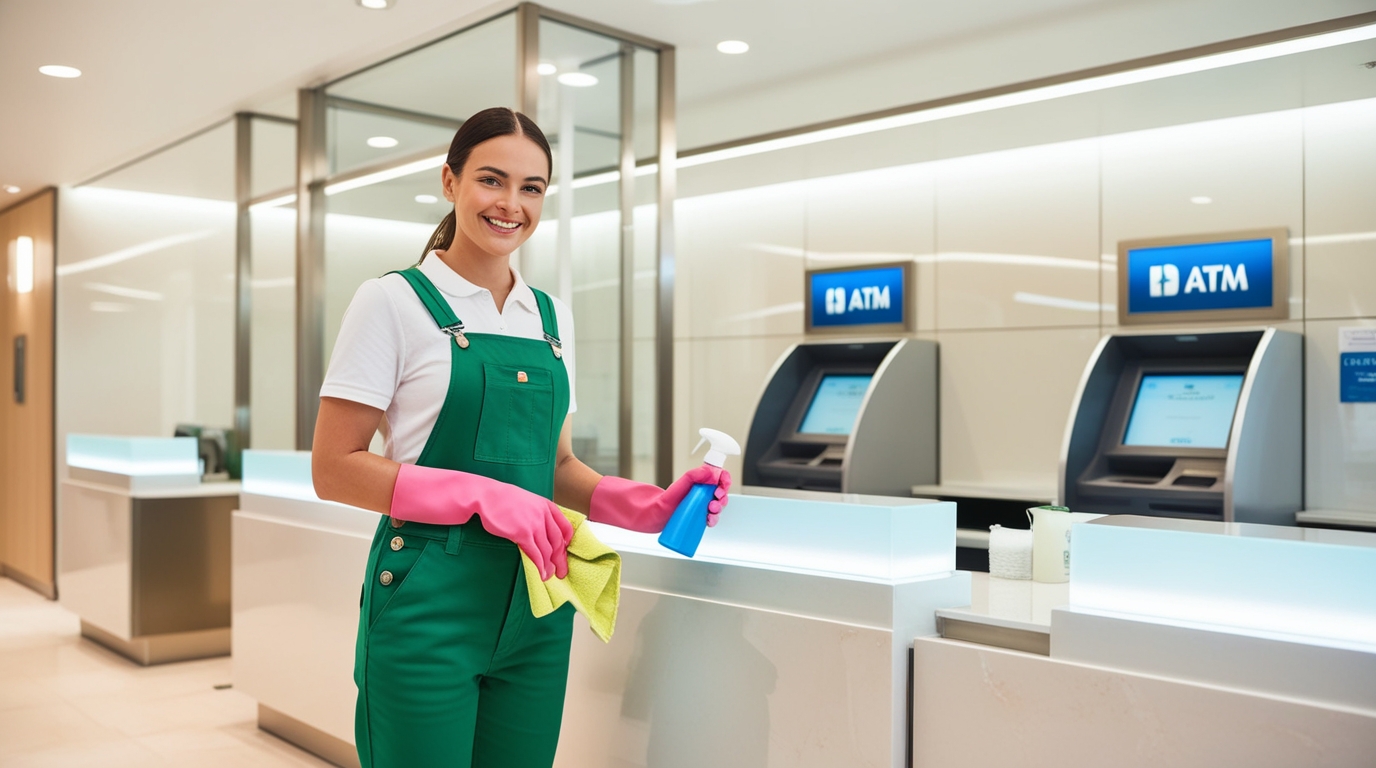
(156,70)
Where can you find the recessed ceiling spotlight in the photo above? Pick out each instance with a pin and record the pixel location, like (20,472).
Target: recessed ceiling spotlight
(733,46)
(427,199)
(546,68)
(377,5)
(382,142)
(13,190)
(578,79)
(57,70)
(1201,200)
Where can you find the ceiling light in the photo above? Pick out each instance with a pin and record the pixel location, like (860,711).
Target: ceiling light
(427,199)
(382,142)
(545,68)
(13,190)
(1037,94)
(57,70)
(1201,200)
(578,79)
(23,265)
(377,5)
(733,46)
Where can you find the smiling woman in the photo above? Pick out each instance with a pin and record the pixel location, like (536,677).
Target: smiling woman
(471,372)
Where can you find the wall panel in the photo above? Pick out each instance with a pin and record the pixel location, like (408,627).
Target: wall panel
(1017,238)
(26,430)
(1340,210)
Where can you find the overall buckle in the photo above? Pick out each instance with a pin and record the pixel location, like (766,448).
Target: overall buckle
(556,346)
(456,331)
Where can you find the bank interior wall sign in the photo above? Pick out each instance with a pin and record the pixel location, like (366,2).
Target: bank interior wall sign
(1192,278)
(872,298)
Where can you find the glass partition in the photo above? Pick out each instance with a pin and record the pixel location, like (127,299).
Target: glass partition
(145,294)
(271,289)
(595,94)
(150,297)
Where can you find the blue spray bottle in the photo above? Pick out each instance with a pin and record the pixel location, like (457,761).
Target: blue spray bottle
(684,530)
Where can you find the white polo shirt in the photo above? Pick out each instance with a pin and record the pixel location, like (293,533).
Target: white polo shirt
(391,355)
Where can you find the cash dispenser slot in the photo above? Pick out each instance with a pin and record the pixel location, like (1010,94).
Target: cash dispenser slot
(847,417)
(1157,425)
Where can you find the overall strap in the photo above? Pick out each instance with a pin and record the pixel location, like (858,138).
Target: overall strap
(549,321)
(435,304)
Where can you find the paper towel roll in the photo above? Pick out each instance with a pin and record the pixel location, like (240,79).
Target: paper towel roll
(1010,553)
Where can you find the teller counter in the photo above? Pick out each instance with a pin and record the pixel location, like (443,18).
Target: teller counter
(1175,642)
(143,548)
(786,641)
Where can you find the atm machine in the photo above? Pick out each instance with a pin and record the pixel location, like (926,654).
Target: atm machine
(851,417)
(1205,426)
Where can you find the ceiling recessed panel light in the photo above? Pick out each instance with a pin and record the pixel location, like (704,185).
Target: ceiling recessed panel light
(57,70)
(427,199)
(13,190)
(733,46)
(545,68)
(382,142)
(578,79)
(1201,200)
(376,5)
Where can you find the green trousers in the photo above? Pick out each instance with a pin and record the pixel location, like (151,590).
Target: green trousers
(452,668)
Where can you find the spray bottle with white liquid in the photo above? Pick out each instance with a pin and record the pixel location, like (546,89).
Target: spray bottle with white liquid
(684,531)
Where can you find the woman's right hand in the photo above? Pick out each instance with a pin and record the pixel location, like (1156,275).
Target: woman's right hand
(447,497)
(536,525)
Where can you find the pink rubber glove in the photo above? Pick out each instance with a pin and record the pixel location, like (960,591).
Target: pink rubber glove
(446,497)
(647,508)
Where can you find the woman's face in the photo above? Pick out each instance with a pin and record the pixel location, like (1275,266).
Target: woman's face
(498,195)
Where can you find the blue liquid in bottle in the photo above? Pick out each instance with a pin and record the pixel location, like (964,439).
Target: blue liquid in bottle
(684,531)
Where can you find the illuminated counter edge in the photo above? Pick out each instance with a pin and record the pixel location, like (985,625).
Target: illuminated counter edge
(1269,581)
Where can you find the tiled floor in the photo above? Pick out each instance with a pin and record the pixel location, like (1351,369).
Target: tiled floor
(65,701)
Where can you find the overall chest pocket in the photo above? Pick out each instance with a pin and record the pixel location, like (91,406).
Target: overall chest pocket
(517,417)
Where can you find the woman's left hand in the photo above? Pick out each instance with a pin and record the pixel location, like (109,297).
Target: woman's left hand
(647,508)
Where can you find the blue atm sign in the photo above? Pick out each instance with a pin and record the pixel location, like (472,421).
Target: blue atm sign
(859,298)
(1230,279)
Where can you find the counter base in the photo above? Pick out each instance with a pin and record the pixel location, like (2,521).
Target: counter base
(1026,640)
(313,740)
(162,649)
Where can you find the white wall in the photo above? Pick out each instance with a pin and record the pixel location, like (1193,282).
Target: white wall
(1016,275)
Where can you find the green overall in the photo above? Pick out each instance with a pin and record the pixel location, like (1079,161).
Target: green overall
(452,668)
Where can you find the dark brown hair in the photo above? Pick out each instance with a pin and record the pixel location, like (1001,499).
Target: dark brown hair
(487,124)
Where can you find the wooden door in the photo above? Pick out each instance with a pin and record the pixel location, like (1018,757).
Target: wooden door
(27,508)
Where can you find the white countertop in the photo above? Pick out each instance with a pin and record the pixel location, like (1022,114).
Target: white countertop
(1009,603)
(199,490)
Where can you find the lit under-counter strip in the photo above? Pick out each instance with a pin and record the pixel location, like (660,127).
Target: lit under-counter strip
(1307,585)
(134,456)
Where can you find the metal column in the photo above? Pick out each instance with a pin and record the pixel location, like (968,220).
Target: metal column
(312,166)
(243,278)
(625,395)
(664,274)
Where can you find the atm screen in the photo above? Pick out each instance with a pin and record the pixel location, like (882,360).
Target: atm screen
(1183,410)
(836,404)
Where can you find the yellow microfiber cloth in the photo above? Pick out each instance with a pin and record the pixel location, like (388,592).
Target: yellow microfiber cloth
(593,584)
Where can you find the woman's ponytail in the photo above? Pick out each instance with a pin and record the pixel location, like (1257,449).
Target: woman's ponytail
(443,237)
